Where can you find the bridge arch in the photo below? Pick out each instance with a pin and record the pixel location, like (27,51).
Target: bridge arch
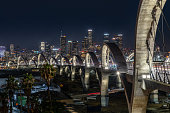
(71,60)
(112,58)
(22,60)
(53,61)
(41,60)
(91,60)
(146,27)
(10,63)
(32,61)
(64,61)
(130,57)
(91,63)
(67,70)
(113,62)
(77,63)
(58,58)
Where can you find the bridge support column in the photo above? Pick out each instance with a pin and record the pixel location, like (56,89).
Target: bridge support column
(61,70)
(73,73)
(86,79)
(98,75)
(140,99)
(119,83)
(67,71)
(104,91)
(154,96)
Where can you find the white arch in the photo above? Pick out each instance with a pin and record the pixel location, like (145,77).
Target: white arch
(39,60)
(64,61)
(91,60)
(58,58)
(21,59)
(71,60)
(146,27)
(9,63)
(91,63)
(18,61)
(114,62)
(129,58)
(33,61)
(53,61)
(77,61)
(147,20)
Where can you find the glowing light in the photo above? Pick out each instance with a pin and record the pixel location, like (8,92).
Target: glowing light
(120,35)
(118,73)
(90,30)
(106,34)
(55,49)
(94,93)
(113,38)
(106,67)
(146,76)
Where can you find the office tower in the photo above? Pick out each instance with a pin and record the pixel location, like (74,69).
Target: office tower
(106,38)
(90,37)
(42,47)
(63,45)
(70,48)
(85,44)
(11,48)
(75,48)
(45,48)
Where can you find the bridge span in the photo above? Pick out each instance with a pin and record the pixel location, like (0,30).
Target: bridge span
(112,65)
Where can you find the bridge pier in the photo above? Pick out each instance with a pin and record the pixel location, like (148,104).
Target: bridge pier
(67,71)
(98,75)
(73,73)
(140,99)
(154,96)
(104,91)
(82,77)
(118,82)
(86,79)
(61,70)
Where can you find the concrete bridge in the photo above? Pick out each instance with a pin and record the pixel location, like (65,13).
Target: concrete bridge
(138,78)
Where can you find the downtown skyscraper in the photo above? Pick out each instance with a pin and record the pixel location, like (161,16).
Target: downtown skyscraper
(63,45)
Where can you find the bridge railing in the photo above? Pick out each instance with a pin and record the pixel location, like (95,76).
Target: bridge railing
(161,72)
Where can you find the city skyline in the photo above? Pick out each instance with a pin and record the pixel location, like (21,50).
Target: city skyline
(37,21)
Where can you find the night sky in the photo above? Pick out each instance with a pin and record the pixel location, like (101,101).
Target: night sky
(28,22)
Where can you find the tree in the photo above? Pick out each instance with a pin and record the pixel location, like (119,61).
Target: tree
(11,86)
(48,73)
(27,84)
(4,100)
